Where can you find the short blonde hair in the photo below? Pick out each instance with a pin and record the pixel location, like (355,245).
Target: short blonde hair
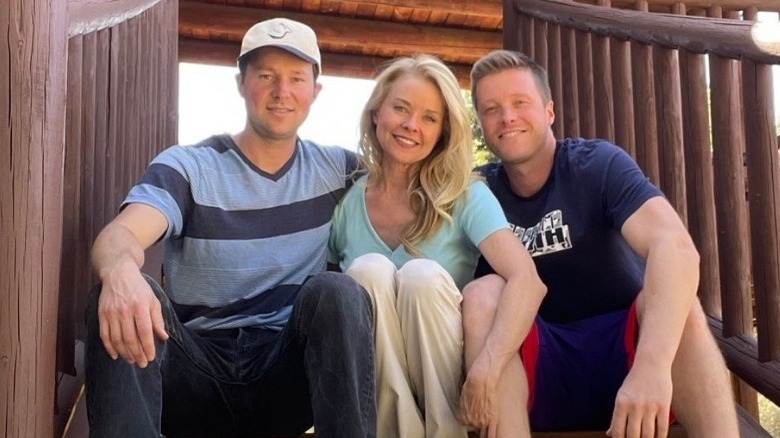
(444,175)
(500,60)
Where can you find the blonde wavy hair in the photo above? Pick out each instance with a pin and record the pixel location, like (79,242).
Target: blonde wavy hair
(444,175)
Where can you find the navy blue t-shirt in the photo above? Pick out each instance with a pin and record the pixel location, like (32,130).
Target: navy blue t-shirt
(572,228)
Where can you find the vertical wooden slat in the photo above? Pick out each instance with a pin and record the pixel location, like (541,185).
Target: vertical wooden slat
(102,84)
(88,127)
(625,133)
(149,111)
(527,39)
(644,111)
(698,176)
(33,68)
(669,110)
(602,87)
(556,77)
(744,394)
(764,191)
(172,72)
(571,109)
(644,106)
(124,123)
(540,43)
(585,84)
(116,71)
(731,208)
(511,32)
(71,193)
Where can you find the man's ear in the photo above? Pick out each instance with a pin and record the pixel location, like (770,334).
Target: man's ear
(317,89)
(550,112)
(240,84)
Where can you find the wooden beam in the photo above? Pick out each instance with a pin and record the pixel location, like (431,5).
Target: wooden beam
(741,354)
(483,8)
(725,37)
(333,64)
(762,5)
(342,35)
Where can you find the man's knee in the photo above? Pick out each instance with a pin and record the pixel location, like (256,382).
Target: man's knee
(91,317)
(335,294)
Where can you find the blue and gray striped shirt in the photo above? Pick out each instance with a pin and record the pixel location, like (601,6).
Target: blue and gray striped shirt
(240,241)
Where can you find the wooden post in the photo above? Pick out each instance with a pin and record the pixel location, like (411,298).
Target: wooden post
(33,57)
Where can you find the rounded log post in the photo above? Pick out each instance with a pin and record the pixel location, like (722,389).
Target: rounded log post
(603,97)
(670,128)
(33,38)
(625,131)
(569,74)
(764,191)
(698,176)
(556,77)
(585,84)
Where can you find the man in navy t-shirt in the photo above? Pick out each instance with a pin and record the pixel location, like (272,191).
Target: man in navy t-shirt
(620,337)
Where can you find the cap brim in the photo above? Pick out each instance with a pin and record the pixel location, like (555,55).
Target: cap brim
(290,49)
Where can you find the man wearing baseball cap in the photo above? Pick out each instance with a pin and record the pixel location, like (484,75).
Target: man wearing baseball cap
(249,335)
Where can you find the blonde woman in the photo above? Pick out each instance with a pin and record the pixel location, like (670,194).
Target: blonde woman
(411,231)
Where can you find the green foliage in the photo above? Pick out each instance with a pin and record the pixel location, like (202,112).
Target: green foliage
(482,154)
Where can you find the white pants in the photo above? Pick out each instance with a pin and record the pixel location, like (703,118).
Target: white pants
(419,346)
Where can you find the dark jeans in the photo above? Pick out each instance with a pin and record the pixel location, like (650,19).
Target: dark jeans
(244,382)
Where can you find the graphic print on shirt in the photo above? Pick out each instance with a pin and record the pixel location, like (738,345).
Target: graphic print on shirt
(548,236)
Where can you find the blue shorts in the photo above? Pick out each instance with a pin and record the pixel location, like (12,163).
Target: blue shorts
(575,369)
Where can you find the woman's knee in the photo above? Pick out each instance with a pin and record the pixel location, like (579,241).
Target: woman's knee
(425,281)
(371,268)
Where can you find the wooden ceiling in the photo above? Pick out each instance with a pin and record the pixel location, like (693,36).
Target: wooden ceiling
(355,37)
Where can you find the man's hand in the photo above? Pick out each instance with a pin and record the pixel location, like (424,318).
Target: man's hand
(643,403)
(478,399)
(130,315)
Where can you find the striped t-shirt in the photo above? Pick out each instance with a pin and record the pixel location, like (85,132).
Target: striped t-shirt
(240,241)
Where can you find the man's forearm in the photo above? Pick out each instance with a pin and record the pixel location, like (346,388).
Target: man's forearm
(671,282)
(114,246)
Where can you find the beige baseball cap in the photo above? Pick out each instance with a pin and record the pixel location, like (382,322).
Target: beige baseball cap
(297,38)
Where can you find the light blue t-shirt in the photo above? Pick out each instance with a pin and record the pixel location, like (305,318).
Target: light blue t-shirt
(476,215)
(240,242)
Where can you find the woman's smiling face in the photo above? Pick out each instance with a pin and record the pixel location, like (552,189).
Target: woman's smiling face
(409,122)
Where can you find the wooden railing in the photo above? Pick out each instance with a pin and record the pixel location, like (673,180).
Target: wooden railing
(122,110)
(639,78)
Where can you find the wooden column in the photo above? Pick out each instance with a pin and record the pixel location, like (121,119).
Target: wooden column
(625,131)
(764,199)
(670,128)
(698,175)
(585,84)
(33,57)
(571,99)
(554,73)
(603,96)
